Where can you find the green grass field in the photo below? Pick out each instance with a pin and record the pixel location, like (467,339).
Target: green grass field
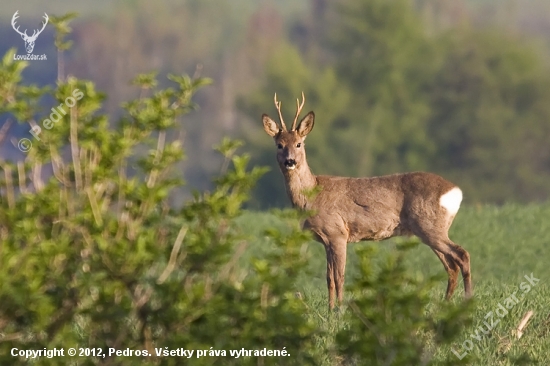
(505,243)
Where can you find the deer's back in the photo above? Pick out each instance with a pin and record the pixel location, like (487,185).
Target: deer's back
(380,207)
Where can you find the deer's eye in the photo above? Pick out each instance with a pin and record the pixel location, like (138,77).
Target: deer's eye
(298,144)
(279,146)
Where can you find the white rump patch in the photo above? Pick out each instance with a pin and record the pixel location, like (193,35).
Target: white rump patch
(451,200)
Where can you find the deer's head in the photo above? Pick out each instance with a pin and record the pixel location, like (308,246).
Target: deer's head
(291,153)
(29,40)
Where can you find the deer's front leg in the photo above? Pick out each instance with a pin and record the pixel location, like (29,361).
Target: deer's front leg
(330,276)
(339,267)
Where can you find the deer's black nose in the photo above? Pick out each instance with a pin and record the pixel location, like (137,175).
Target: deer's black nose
(290,163)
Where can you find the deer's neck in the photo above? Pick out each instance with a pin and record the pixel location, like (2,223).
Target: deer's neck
(300,183)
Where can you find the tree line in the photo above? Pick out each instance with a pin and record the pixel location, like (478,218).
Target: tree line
(452,87)
(391,96)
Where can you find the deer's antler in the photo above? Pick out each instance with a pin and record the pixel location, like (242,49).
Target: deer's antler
(278,106)
(298,110)
(13,19)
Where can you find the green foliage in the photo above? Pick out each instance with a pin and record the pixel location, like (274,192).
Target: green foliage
(96,256)
(62,29)
(11,91)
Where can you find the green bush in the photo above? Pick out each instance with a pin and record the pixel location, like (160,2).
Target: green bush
(96,256)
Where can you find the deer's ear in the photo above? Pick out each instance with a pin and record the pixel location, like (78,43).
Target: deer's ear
(270,126)
(306,124)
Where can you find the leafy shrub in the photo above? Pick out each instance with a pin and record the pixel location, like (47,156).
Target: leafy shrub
(96,256)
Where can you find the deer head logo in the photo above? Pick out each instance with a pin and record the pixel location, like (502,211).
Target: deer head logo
(29,40)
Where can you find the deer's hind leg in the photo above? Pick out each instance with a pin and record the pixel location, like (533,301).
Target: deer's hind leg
(440,242)
(452,270)
(462,257)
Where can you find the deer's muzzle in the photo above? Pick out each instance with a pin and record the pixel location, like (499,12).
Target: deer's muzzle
(290,164)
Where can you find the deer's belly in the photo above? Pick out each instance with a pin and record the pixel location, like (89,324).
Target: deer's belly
(354,229)
(358,232)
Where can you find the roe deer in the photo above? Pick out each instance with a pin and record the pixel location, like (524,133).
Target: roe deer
(349,210)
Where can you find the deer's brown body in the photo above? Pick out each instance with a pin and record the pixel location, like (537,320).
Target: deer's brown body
(353,209)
